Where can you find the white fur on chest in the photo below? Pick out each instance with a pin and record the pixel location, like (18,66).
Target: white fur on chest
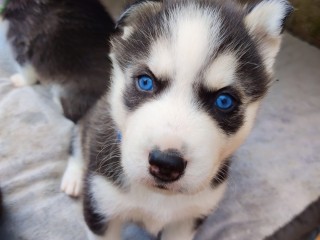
(153,209)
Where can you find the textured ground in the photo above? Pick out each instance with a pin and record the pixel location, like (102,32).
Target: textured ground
(274,176)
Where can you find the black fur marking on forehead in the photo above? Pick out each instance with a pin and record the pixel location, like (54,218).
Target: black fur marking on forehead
(229,122)
(135,49)
(104,147)
(146,24)
(133,97)
(222,174)
(251,72)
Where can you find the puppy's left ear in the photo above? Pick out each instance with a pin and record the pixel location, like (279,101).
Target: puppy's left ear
(265,23)
(136,11)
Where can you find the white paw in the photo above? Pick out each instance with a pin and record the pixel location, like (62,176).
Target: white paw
(18,80)
(72,180)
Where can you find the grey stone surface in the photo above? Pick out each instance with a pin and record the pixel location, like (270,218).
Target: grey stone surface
(275,174)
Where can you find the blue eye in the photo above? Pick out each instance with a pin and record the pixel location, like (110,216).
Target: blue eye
(145,83)
(224,101)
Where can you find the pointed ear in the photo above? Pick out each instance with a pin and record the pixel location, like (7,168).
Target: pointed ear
(136,11)
(265,22)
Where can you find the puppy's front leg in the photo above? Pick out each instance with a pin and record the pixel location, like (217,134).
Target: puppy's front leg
(72,180)
(181,230)
(27,76)
(99,225)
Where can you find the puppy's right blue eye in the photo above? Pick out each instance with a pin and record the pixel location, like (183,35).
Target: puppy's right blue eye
(224,102)
(145,83)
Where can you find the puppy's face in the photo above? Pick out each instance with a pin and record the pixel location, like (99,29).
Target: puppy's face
(187,80)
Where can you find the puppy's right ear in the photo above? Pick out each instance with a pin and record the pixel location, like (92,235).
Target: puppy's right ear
(136,12)
(265,22)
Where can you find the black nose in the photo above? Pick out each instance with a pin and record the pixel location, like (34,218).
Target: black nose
(167,166)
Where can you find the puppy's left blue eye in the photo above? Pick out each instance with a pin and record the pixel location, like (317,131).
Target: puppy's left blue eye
(145,83)
(224,101)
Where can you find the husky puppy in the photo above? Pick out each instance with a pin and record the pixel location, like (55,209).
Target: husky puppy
(61,42)
(186,83)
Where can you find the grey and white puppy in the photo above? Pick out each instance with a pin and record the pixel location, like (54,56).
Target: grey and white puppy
(63,43)
(187,80)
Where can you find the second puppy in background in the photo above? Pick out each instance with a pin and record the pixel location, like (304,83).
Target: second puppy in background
(64,44)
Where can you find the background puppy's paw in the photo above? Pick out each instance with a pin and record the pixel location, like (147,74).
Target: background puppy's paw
(72,180)
(18,80)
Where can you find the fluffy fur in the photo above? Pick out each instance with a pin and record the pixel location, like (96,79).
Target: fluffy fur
(63,43)
(193,50)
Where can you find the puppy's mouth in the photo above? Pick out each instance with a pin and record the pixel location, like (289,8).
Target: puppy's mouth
(163,187)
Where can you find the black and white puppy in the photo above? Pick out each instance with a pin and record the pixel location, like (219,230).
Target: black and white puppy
(61,42)
(65,44)
(186,83)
